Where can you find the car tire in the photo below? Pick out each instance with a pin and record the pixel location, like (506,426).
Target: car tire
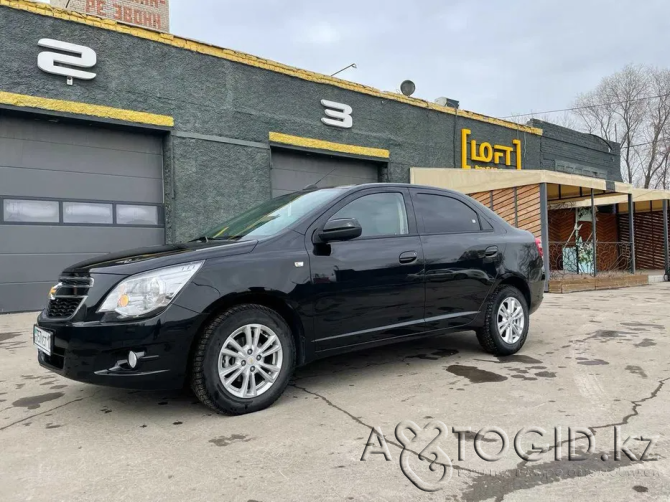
(504,342)
(210,359)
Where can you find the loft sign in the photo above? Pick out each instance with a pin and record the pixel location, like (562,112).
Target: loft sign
(67,61)
(490,156)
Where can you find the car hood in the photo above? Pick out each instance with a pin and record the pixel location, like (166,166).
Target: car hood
(135,261)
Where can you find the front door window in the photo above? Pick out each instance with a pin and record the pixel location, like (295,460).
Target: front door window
(380,214)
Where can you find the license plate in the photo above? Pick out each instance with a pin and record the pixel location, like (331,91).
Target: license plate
(42,340)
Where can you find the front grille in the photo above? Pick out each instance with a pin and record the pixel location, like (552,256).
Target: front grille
(71,291)
(63,308)
(76,282)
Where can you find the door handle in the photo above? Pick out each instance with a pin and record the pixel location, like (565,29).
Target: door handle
(408,257)
(491,251)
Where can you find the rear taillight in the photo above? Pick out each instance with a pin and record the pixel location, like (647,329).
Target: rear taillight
(538,243)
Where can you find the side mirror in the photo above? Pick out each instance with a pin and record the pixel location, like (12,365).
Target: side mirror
(341,229)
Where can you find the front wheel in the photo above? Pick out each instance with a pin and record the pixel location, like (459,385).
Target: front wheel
(243,360)
(506,324)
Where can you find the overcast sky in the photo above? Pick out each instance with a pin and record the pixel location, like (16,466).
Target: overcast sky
(498,57)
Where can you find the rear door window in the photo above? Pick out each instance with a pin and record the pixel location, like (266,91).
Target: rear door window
(440,214)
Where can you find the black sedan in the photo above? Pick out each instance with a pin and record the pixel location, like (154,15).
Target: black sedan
(297,278)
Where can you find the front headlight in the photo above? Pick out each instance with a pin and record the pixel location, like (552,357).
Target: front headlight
(144,293)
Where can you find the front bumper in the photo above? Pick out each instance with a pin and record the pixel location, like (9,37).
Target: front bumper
(97,353)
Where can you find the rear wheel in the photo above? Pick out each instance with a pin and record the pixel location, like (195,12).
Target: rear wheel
(243,360)
(506,324)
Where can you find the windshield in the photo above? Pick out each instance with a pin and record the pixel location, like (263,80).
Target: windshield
(271,217)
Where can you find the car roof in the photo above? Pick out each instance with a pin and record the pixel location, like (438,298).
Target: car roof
(384,185)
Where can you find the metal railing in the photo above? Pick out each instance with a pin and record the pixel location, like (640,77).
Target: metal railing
(577,258)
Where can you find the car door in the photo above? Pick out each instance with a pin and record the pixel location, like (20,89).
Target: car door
(369,288)
(462,253)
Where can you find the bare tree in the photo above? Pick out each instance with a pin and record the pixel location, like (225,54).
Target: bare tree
(632,107)
(658,130)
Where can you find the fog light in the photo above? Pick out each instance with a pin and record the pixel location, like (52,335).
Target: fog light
(133,359)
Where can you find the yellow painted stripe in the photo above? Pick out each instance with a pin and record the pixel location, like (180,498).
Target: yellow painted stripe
(247,59)
(318,144)
(107,112)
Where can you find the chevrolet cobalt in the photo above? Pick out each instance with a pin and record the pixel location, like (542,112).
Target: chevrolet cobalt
(297,278)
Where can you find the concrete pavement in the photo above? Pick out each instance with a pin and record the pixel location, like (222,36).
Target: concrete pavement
(593,360)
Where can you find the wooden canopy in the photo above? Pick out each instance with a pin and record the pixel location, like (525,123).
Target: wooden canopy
(644,200)
(561,187)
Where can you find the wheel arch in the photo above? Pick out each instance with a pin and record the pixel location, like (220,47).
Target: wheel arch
(519,283)
(273,301)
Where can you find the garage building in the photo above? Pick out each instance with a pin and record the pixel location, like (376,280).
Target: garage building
(152,138)
(71,192)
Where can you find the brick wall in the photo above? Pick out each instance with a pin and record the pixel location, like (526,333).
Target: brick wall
(562,222)
(153,14)
(611,256)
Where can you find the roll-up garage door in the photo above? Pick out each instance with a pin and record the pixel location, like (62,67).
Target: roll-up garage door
(70,192)
(294,170)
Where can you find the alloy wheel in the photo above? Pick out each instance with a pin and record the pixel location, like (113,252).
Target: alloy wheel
(511,320)
(250,361)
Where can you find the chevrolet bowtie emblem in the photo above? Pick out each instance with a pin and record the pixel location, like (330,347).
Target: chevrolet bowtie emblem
(52,291)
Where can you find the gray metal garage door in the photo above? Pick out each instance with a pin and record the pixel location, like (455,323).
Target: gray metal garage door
(68,193)
(294,170)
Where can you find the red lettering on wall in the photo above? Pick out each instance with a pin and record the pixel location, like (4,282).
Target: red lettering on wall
(141,16)
(90,5)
